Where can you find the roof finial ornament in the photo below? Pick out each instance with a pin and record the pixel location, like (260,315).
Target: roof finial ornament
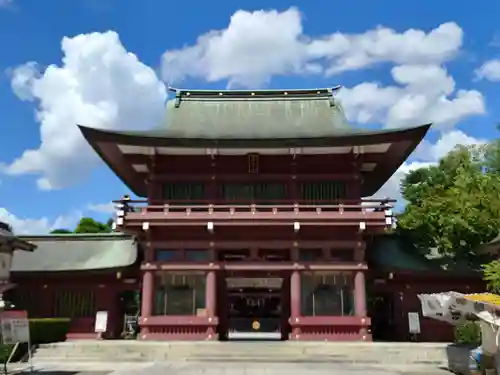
(333,91)
(178,94)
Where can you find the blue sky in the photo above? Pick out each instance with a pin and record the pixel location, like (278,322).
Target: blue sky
(445,71)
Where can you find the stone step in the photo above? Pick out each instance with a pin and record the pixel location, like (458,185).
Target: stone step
(87,355)
(137,351)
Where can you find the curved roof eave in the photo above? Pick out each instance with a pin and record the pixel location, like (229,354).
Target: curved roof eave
(160,138)
(413,135)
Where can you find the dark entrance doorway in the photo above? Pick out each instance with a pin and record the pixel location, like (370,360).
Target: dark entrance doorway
(256,308)
(381,311)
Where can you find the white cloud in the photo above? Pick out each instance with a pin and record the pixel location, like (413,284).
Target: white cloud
(39,225)
(259,45)
(490,70)
(255,46)
(425,155)
(98,84)
(22,79)
(105,208)
(355,51)
(429,152)
(424,94)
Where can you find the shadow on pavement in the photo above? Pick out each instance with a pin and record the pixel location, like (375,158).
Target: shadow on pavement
(59,372)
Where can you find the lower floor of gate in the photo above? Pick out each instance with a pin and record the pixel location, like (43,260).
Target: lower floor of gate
(254,308)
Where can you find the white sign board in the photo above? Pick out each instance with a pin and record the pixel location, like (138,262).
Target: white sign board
(414,322)
(15,330)
(101,321)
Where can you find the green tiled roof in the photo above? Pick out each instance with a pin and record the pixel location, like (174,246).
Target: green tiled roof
(263,115)
(76,252)
(268,118)
(392,253)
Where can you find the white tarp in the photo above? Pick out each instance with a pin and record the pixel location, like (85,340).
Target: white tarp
(454,308)
(441,306)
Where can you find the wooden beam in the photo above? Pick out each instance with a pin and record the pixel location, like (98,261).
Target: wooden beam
(263,244)
(336,159)
(253,266)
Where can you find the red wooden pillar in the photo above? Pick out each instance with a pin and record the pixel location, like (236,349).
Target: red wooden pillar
(359,294)
(147,299)
(211,302)
(360,297)
(295,304)
(211,293)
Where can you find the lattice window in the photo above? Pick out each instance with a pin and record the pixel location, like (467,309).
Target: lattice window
(179,294)
(260,192)
(327,294)
(29,300)
(184,192)
(322,191)
(74,304)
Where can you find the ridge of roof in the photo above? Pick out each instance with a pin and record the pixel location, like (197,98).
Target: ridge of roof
(260,93)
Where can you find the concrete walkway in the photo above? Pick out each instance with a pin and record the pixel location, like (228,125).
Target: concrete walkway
(199,368)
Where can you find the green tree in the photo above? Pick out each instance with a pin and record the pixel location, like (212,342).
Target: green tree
(454,206)
(491,274)
(61,231)
(88,225)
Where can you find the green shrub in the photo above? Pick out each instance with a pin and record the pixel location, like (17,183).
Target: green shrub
(468,333)
(47,330)
(5,352)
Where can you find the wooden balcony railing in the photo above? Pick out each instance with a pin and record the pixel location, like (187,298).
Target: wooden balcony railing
(362,213)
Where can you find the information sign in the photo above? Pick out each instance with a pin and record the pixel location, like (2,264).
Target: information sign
(414,322)
(101,321)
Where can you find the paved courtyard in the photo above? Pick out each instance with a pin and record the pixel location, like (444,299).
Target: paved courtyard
(218,368)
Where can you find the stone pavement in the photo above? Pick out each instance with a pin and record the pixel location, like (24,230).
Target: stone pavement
(232,368)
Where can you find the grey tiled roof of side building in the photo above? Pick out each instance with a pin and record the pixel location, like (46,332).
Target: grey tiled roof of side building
(392,253)
(76,252)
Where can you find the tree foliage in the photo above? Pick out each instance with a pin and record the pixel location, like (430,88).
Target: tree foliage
(454,206)
(88,225)
(61,231)
(491,274)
